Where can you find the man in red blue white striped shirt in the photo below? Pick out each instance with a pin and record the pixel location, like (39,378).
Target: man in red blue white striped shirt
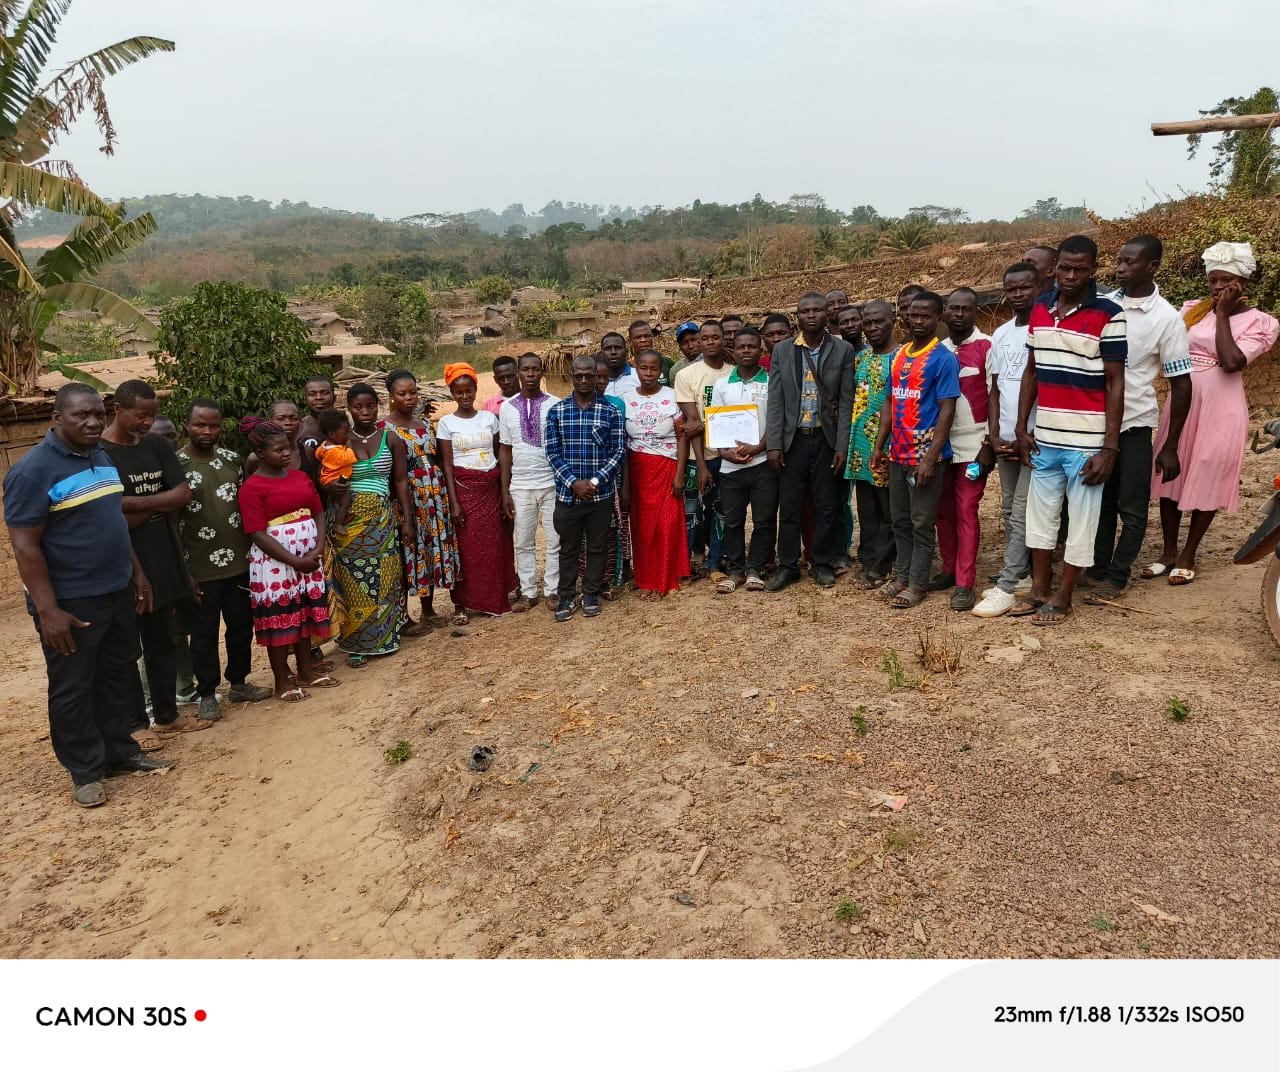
(1074,377)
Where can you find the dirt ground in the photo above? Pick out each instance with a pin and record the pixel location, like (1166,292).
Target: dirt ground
(1048,793)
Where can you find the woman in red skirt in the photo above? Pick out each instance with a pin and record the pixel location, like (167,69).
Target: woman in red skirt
(468,441)
(656,456)
(282,515)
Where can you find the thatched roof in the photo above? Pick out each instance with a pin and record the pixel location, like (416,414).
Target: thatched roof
(113,373)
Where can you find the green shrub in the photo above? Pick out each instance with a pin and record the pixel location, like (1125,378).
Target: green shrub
(535,319)
(235,343)
(493,289)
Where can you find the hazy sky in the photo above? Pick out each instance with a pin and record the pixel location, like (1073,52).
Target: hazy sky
(396,107)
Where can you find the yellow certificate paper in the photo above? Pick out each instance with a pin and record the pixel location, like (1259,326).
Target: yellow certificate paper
(727,425)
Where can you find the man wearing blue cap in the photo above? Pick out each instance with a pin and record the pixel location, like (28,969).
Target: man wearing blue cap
(687,340)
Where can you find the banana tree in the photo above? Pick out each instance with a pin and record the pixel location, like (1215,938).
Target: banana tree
(31,296)
(35,110)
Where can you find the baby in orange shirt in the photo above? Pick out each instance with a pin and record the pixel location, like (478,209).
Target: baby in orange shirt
(334,456)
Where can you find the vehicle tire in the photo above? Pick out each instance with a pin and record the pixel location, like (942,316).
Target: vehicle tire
(1271,597)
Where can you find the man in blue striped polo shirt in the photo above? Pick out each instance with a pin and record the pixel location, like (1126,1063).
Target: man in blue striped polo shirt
(62,506)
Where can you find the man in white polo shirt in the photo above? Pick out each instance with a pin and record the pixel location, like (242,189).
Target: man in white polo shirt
(1157,346)
(745,479)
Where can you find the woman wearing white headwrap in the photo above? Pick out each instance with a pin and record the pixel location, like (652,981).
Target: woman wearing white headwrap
(1225,335)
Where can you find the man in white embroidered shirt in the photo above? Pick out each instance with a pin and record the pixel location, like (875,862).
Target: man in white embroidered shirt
(1157,346)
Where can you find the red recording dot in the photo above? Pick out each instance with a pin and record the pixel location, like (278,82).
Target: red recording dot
(200,1015)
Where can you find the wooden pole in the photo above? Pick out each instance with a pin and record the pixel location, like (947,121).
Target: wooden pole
(1222,122)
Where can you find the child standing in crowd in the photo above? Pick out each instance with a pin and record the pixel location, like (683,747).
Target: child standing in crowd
(916,422)
(334,456)
(281,513)
(656,455)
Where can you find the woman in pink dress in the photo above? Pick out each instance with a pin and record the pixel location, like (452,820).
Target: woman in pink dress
(1225,335)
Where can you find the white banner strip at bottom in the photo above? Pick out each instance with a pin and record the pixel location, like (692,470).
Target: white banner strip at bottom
(739,1016)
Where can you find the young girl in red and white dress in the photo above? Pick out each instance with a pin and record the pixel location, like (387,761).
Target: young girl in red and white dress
(283,518)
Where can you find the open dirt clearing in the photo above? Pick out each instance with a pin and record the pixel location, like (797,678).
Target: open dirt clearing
(1048,794)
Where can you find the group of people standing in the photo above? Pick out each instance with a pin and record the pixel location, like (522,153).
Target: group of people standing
(904,414)
(127,540)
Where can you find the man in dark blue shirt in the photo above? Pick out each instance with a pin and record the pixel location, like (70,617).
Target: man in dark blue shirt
(62,507)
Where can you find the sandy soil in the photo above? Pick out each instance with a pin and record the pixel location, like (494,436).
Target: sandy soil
(1048,795)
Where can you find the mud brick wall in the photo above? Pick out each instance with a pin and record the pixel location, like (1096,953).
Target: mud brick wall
(1262,382)
(16,438)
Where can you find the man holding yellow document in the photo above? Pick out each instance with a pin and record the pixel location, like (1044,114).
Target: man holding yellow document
(735,429)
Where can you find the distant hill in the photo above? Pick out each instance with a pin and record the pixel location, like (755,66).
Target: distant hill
(190,214)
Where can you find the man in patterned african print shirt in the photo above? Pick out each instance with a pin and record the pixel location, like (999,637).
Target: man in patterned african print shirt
(216,551)
(873,365)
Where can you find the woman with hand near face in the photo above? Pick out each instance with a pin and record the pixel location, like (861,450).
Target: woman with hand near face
(1225,334)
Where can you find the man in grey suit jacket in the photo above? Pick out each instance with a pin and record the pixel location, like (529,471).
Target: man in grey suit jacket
(807,437)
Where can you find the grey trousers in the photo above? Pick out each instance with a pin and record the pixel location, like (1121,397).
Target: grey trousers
(915,521)
(1015,479)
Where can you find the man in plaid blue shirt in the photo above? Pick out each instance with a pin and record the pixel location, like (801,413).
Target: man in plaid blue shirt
(586,446)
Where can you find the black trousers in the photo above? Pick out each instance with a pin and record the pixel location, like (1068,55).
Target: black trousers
(226,601)
(94,692)
(756,487)
(915,521)
(877,545)
(576,524)
(808,468)
(160,652)
(1125,498)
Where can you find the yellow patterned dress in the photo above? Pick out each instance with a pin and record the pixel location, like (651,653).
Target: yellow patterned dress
(366,561)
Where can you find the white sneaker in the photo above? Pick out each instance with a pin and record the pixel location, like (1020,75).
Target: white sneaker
(994,603)
(1024,585)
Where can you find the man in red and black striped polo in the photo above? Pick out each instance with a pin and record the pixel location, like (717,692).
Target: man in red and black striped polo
(1074,377)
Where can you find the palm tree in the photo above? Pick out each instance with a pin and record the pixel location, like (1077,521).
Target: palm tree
(36,109)
(909,233)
